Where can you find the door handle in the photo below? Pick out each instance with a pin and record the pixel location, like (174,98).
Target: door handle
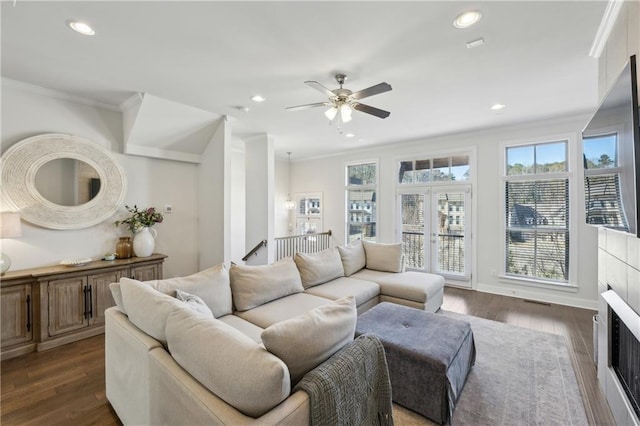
(28,312)
(86,313)
(90,301)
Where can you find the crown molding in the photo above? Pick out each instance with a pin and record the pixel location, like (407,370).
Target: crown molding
(39,90)
(134,99)
(606,25)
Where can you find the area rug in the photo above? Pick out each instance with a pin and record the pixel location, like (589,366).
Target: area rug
(521,377)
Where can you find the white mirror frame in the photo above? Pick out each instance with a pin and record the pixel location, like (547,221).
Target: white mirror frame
(21,162)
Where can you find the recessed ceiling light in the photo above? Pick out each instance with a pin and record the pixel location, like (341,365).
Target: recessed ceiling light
(497,107)
(349,135)
(467,19)
(258,98)
(81,27)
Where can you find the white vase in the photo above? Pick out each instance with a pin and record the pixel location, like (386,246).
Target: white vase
(144,242)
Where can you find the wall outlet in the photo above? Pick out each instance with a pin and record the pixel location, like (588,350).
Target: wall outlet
(168,208)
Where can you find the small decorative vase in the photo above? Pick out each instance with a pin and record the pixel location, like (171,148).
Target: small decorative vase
(123,248)
(144,242)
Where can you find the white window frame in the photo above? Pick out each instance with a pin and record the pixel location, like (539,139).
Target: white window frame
(427,187)
(373,187)
(621,164)
(574,210)
(431,156)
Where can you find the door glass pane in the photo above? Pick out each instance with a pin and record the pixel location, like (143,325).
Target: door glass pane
(412,206)
(450,242)
(361,215)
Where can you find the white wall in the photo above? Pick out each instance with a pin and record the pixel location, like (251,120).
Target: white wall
(259,195)
(327,175)
(282,216)
(238,204)
(214,195)
(29,111)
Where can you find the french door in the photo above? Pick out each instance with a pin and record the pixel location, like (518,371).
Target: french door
(435,231)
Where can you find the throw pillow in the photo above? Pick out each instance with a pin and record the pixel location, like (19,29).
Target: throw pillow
(256,285)
(116,292)
(383,257)
(319,268)
(353,257)
(212,285)
(148,308)
(228,363)
(195,303)
(305,341)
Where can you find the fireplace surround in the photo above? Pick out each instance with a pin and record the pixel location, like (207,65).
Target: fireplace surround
(625,360)
(619,328)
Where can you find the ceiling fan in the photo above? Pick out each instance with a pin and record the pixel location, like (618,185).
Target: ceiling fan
(345,101)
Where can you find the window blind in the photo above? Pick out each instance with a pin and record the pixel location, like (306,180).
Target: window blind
(603,202)
(537,224)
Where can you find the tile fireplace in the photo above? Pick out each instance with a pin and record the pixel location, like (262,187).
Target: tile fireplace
(619,328)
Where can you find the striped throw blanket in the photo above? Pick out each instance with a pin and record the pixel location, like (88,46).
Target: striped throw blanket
(352,387)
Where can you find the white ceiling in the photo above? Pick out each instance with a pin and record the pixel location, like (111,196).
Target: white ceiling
(216,55)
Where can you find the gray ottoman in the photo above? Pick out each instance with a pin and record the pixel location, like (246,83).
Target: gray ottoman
(429,356)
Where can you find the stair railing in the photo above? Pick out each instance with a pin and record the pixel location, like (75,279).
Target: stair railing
(306,243)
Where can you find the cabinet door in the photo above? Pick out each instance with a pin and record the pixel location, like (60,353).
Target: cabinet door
(101,297)
(146,272)
(67,305)
(17,314)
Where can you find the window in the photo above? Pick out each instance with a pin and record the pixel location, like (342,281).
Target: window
(445,169)
(361,188)
(603,201)
(537,211)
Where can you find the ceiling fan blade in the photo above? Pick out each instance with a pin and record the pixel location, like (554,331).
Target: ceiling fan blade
(307,106)
(380,113)
(370,91)
(320,88)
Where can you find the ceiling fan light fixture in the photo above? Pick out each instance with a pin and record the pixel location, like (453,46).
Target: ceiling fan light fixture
(467,19)
(345,113)
(331,113)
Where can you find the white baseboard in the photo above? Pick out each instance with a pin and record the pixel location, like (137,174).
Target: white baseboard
(524,293)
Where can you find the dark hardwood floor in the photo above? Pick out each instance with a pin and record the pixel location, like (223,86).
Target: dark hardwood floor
(65,385)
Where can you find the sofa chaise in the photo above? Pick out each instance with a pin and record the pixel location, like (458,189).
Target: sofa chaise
(227,346)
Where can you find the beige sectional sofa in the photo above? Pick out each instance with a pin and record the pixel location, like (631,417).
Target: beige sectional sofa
(228,346)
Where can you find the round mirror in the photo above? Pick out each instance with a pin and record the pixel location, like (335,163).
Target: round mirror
(62,181)
(67,182)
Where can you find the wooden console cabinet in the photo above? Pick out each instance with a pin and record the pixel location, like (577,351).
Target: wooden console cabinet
(47,307)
